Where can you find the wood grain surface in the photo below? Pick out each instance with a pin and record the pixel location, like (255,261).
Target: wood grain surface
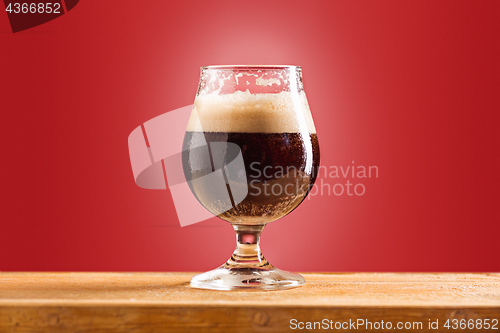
(164,302)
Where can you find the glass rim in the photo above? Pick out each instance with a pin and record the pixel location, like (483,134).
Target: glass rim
(251,67)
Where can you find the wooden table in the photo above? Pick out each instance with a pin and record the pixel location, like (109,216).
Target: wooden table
(164,302)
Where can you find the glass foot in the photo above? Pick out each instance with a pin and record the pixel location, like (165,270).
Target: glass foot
(247,268)
(224,278)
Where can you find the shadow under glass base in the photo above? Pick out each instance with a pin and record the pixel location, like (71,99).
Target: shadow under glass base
(247,269)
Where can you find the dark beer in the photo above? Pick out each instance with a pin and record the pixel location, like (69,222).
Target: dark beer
(280,166)
(278,177)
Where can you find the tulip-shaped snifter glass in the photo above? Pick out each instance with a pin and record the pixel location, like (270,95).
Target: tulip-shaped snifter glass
(250,157)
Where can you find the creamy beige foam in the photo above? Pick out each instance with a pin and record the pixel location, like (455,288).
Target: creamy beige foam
(243,112)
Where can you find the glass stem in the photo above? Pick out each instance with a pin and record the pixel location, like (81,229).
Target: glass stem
(247,253)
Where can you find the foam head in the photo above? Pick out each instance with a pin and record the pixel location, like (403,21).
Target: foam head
(251,99)
(243,112)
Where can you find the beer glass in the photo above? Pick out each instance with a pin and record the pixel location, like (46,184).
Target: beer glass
(250,157)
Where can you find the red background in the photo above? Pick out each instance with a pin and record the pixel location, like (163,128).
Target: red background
(409,86)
